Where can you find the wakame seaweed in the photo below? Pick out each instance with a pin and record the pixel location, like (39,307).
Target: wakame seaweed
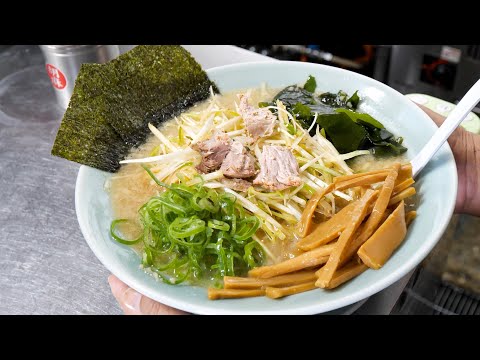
(113,103)
(346,128)
(345,135)
(311,84)
(304,103)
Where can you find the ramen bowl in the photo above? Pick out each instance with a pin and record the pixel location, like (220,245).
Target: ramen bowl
(436,192)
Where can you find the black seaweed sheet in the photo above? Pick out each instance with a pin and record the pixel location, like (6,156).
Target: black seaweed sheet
(113,103)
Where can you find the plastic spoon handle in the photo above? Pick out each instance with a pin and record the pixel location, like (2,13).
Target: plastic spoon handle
(463,108)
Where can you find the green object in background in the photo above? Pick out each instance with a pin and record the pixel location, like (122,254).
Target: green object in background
(444,108)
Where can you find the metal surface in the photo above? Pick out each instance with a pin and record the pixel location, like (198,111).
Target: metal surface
(63,63)
(46,267)
(426,294)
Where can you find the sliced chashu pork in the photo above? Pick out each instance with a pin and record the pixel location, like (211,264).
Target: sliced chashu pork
(278,169)
(213,151)
(259,122)
(238,163)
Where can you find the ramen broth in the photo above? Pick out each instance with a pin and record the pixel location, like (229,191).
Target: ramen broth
(131,187)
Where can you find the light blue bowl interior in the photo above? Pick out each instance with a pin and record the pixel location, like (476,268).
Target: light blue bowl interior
(436,187)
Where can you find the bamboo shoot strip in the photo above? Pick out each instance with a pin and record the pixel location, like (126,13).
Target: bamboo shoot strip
(341,276)
(311,258)
(326,273)
(409,217)
(328,230)
(349,271)
(402,196)
(232,282)
(380,246)
(379,209)
(359,241)
(275,293)
(363,189)
(304,226)
(403,174)
(402,185)
(215,294)
(361,181)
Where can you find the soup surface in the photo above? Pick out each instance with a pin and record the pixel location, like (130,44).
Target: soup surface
(131,187)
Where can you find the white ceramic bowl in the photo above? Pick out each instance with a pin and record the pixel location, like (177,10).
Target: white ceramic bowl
(436,187)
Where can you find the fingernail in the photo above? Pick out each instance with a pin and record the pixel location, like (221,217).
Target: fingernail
(110,279)
(131,299)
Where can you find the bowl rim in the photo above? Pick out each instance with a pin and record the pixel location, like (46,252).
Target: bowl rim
(350,299)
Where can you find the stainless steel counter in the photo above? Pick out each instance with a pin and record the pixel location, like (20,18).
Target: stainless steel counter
(46,267)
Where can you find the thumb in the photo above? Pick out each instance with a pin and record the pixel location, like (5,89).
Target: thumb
(134,303)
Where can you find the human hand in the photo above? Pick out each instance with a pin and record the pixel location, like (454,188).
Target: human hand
(134,303)
(466,150)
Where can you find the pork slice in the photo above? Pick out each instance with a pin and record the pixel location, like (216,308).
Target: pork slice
(238,163)
(259,122)
(278,169)
(213,151)
(245,140)
(236,184)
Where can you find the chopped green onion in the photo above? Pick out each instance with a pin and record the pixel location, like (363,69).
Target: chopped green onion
(246,228)
(191,233)
(155,151)
(182,228)
(181,136)
(219,225)
(250,257)
(118,238)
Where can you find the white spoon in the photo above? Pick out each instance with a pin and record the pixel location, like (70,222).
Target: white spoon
(463,108)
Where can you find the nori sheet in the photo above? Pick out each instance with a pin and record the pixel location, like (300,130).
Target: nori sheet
(113,103)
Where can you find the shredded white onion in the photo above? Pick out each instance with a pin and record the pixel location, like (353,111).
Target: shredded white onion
(204,130)
(354,154)
(313,123)
(162,137)
(185,154)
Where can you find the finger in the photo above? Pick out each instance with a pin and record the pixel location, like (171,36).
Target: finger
(134,303)
(152,307)
(123,293)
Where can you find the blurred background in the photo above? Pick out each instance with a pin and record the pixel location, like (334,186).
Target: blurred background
(447,282)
